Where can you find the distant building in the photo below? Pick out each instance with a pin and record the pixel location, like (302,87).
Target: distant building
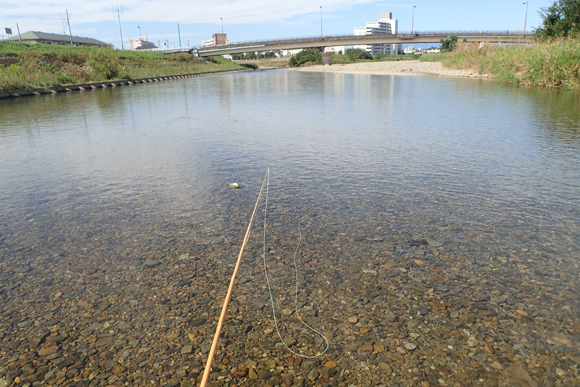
(409,50)
(216,40)
(387,26)
(37,37)
(335,49)
(141,43)
(287,53)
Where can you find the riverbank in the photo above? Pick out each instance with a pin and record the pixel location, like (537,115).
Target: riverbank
(553,63)
(408,68)
(26,66)
(101,85)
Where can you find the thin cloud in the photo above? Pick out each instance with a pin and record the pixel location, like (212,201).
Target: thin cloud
(181,11)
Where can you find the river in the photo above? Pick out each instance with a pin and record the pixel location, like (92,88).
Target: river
(440,231)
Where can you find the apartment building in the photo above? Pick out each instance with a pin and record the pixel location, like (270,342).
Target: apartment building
(386,25)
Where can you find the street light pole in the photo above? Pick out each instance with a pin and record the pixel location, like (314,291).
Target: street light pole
(120,30)
(69,31)
(321,22)
(526,20)
(413,20)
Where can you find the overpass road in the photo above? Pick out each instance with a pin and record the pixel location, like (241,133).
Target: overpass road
(513,37)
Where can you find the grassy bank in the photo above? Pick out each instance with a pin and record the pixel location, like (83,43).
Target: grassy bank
(39,65)
(550,64)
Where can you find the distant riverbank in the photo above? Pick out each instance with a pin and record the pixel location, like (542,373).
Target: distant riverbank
(554,63)
(408,68)
(25,66)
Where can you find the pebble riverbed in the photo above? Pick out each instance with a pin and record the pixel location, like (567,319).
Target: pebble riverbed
(435,307)
(439,252)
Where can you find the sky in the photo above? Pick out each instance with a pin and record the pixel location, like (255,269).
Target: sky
(250,20)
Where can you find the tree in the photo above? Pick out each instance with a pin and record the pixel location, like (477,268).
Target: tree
(562,18)
(449,44)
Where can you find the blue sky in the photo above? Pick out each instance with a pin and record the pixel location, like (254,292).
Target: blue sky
(246,20)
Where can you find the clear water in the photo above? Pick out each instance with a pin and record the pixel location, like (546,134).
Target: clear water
(495,159)
(488,174)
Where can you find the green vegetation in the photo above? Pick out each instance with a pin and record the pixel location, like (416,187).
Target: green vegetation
(356,54)
(449,44)
(253,55)
(555,63)
(252,66)
(307,56)
(561,19)
(441,57)
(42,65)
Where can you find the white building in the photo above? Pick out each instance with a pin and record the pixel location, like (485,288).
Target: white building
(385,26)
(141,43)
(335,49)
(288,53)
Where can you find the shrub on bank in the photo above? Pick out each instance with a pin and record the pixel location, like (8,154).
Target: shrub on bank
(305,57)
(356,54)
(104,63)
(252,66)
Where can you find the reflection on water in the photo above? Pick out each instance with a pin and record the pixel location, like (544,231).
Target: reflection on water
(484,174)
(476,146)
(467,151)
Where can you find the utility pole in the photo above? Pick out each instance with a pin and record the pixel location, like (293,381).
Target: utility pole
(69,30)
(179,33)
(120,30)
(526,20)
(321,22)
(18,28)
(413,20)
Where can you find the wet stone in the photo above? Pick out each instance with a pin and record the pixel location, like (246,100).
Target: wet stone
(258,305)
(410,346)
(151,263)
(198,322)
(313,374)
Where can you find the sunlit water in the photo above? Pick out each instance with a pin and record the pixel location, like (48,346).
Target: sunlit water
(418,151)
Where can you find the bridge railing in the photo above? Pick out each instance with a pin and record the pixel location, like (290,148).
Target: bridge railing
(442,34)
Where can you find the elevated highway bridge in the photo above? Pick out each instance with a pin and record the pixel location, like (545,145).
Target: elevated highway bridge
(509,37)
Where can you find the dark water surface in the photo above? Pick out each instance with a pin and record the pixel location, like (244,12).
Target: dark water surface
(450,202)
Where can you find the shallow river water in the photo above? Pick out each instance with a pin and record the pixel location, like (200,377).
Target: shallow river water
(440,232)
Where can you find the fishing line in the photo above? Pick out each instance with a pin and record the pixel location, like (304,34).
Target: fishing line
(295,276)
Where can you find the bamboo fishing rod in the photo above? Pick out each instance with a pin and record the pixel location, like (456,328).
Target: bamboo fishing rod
(218,330)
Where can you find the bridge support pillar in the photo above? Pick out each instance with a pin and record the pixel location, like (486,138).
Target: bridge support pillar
(327,59)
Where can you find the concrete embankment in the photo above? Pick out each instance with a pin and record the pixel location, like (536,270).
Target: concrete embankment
(102,85)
